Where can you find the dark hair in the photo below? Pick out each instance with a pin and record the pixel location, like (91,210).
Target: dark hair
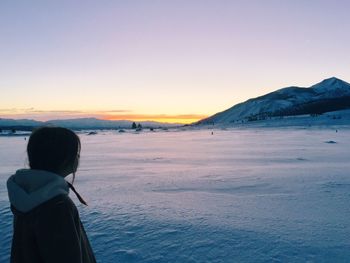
(53,149)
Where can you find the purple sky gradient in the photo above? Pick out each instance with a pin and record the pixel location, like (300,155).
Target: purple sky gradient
(165,57)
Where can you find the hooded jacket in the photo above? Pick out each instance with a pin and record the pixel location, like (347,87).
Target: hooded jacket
(46,225)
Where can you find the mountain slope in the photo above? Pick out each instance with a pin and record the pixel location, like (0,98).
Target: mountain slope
(329,95)
(82,123)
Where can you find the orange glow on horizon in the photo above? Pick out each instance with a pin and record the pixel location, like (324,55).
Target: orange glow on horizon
(184,119)
(45,115)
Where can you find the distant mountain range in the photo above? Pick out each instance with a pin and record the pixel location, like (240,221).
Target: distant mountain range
(329,95)
(80,123)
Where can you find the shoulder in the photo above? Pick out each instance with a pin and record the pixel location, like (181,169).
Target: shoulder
(60,205)
(58,215)
(59,200)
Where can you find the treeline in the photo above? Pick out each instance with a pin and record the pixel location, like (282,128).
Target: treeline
(313,108)
(316,107)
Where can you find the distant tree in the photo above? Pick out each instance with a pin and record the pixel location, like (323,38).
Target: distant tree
(133,126)
(139,126)
(252,118)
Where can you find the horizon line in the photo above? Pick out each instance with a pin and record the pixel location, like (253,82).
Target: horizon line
(161,118)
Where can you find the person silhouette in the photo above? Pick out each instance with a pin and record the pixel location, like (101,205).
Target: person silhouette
(46,222)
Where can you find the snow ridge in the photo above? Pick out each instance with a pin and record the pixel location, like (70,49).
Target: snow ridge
(331,94)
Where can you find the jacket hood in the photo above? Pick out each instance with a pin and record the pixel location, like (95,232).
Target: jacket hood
(28,188)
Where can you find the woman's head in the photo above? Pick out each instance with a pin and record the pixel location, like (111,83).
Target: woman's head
(54,149)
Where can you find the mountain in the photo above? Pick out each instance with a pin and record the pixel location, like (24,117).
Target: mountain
(19,122)
(89,123)
(331,94)
(80,123)
(92,123)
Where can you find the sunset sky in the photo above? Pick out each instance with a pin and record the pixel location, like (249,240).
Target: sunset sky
(173,61)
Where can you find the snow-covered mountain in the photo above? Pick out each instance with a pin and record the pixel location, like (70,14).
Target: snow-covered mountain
(82,123)
(329,95)
(91,123)
(19,122)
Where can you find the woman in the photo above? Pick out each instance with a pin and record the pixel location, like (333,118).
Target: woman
(46,226)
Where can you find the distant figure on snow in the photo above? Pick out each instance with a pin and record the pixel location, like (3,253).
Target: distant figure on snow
(46,225)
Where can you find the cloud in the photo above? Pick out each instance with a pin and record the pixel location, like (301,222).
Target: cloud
(113,114)
(16,111)
(114,111)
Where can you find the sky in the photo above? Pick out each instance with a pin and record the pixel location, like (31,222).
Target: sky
(171,61)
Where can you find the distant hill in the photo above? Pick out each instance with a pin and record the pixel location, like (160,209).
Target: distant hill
(329,95)
(80,123)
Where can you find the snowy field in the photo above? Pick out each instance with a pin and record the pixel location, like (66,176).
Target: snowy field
(243,195)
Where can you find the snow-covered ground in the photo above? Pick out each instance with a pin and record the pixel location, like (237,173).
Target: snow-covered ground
(239,195)
(335,119)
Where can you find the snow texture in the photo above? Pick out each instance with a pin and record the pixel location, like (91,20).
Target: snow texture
(237,195)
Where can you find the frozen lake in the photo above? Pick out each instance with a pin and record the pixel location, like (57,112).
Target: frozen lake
(249,195)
